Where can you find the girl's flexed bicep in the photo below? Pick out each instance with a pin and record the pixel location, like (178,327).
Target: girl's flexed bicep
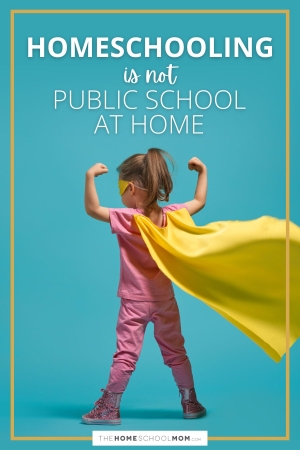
(100,213)
(198,202)
(91,200)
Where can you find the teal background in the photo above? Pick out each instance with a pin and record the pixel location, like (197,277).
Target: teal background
(66,264)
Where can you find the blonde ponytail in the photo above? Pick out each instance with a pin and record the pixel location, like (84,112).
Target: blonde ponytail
(157,176)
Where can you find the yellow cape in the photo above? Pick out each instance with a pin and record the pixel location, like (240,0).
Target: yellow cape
(238,268)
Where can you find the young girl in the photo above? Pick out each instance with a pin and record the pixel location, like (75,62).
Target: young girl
(146,293)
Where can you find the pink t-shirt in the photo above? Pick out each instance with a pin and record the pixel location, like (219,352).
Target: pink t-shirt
(140,277)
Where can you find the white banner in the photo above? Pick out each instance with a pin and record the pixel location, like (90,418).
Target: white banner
(159,438)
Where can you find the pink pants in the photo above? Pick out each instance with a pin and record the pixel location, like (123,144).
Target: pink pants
(132,321)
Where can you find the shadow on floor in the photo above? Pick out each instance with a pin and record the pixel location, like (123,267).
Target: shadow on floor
(76,411)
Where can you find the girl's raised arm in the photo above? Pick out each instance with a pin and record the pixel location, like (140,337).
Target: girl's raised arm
(91,200)
(193,206)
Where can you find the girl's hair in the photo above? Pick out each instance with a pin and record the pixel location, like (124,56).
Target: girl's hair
(149,171)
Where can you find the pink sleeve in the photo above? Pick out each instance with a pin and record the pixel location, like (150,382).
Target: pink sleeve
(121,220)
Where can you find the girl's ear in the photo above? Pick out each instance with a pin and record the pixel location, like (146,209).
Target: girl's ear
(131,188)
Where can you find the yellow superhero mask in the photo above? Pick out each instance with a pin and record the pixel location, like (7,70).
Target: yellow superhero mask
(122,186)
(238,268)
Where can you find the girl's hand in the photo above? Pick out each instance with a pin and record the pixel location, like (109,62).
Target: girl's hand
(97,169)
(196,164)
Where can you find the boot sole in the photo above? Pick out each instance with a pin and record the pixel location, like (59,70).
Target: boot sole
(101,422)
(194,415)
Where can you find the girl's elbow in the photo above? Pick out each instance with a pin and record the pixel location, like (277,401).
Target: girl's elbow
(201,204)
(88,210)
